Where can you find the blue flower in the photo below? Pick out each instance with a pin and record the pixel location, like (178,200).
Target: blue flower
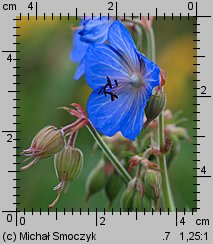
(122,80)
(90,32)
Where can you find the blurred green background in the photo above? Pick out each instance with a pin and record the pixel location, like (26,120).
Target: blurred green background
(47,83)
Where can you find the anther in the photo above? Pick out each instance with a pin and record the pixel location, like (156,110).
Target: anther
(109,85)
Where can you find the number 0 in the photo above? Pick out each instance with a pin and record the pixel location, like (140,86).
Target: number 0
(9,218)
(190,6)
(22,221)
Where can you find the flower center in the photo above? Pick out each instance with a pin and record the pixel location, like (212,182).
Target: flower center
(136,80)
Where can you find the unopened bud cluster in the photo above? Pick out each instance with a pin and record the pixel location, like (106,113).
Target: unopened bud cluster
(134,197)
(104,177)
(143,192)
(51,142)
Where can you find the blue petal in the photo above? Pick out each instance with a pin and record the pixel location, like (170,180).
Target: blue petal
(132,123)
(150,72)
(121,40)
(96,30)
(124,114)
(79,48)
(80,70)
(102,61)
(106,114)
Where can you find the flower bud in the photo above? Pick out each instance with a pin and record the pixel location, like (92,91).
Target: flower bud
(46,143)
(154,107)
(141,202)
(118,143)
(68,166)
(152,182)
(182,133)
(127,199)
(128,195)
(113,186)
(96,180)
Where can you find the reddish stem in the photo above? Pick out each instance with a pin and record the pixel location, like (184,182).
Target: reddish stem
(72,139)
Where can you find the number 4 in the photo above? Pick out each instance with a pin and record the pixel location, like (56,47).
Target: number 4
(30,6)
(203,170)
(182,221)
(9,58)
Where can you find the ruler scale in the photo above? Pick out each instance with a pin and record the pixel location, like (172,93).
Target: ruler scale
(20,224)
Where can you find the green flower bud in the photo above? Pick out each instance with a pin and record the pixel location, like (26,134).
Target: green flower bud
(182,133)
(128,195)
(113,186)
(141,202)
(45,144)
(127,200)
(68,166)
(154,107)
(152,182)
(96,180)
(137,201)
(177,133)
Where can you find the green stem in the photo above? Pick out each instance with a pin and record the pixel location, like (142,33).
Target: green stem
(167,194)
(121,170)
(151,44)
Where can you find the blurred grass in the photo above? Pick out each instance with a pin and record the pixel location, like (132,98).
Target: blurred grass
(47,83)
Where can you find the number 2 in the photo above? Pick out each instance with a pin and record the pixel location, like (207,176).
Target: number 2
(110,5)
(10,137)
(102,221)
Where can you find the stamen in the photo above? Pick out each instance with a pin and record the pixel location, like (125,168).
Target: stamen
(59,188)
(30,164)
(110,86)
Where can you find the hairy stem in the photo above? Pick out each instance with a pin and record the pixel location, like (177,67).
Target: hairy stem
(167,194)
(119,167)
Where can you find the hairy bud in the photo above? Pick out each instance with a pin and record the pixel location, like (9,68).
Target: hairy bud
(182,133)
(154,107)
(68,166)
(127,200)
(113,186)
(141,202)
(129,194)
(152,182)
(96,180)
(46,143)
